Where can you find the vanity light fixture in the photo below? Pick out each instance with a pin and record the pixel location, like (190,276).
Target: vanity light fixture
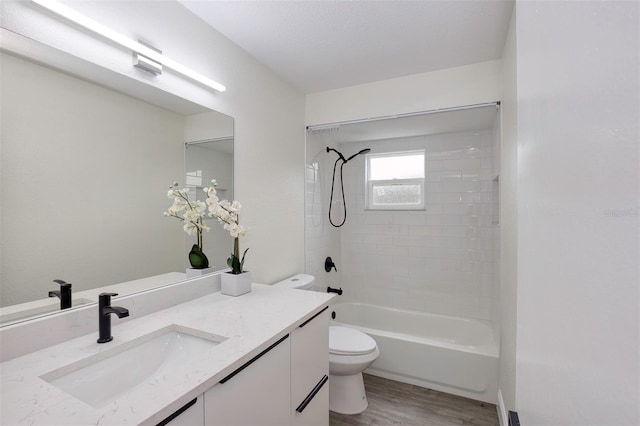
(142,62)
(126,42)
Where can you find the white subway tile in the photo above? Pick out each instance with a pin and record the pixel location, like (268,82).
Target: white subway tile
(446,242)
(462,164)
(430,187)
(434,220)
(462,186)
(409,218)
(409,240)
(433,209)
(392,250)
(433,165)
(424,252)
(442,175)
(425,230)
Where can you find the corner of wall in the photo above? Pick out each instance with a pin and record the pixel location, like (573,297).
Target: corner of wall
(508,223)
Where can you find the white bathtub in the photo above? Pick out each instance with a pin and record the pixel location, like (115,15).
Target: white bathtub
(449,354)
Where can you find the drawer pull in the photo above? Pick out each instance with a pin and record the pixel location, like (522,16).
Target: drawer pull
(311,319)
(312,395)
(177,413)
(255,358)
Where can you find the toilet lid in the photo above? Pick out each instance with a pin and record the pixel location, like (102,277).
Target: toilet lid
(349,341)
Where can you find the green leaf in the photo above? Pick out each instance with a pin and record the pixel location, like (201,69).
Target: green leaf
(242,262)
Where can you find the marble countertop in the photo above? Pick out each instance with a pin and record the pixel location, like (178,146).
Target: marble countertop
(250,323)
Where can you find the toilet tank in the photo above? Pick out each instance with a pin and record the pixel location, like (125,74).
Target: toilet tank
(299,281)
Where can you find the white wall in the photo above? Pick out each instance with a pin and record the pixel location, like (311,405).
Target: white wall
(466,85)
(76,156)
(207,125)
(508,222)
(578,324)
(268,113)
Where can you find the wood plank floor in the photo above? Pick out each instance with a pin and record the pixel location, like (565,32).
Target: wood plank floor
(395,403)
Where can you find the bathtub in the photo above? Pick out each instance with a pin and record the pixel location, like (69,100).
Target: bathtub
(448,354)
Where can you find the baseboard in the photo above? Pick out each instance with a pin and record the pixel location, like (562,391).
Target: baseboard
(502,411)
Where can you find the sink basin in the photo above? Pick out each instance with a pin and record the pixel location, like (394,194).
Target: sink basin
(27,310)
(103,377)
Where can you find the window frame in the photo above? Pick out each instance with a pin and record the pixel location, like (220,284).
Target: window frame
(370,184)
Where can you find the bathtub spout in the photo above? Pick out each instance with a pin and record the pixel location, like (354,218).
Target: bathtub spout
(334,290)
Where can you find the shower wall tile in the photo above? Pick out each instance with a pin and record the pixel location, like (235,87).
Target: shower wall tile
(439,260)
(320,239)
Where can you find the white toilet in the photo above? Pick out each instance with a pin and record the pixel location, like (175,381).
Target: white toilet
(350,353)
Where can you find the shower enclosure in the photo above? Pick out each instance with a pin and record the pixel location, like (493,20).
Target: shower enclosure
(439,257)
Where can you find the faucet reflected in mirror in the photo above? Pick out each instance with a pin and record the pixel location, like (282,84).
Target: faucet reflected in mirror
(64,294)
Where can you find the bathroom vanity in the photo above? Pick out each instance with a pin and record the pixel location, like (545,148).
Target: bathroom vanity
(259,359)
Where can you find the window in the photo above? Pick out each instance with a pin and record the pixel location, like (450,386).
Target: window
(395,181)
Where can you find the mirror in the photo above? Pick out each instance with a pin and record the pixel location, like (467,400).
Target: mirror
(84,179)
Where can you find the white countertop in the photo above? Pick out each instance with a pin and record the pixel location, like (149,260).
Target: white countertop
(250,323)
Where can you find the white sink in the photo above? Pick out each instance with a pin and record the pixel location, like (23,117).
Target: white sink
(103,377)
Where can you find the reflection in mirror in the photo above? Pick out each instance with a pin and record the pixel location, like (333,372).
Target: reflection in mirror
(84,177)
(204,161)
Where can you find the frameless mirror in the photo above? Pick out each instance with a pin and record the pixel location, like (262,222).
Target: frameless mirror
(84,178)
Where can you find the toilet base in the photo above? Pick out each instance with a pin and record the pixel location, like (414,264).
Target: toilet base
(347,394)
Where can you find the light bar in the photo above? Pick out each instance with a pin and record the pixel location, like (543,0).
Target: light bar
(123,41)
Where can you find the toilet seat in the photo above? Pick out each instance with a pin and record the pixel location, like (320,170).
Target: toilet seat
(349,341)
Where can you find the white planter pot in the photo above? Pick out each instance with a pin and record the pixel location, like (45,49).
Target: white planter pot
(235,285)
(192,272)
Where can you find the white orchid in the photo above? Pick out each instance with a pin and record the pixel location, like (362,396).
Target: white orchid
(211,191)
(190,212)
(211,201)
(235,230)
(227,214)
(190,228)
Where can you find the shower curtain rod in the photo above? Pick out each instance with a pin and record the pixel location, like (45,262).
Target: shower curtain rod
(327,126)
(222,139)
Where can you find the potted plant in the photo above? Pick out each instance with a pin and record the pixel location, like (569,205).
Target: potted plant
(192,213)
(238,280)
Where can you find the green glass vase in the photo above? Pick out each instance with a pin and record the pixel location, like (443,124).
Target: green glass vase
(197,258)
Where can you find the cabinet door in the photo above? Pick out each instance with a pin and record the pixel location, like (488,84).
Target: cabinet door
(258,393)
(310,371)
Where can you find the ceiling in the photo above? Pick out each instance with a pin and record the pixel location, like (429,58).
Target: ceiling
(326,44)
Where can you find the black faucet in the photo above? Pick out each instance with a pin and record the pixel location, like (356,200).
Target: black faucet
(328,264)
(334,290)
(104,316)
(64,294)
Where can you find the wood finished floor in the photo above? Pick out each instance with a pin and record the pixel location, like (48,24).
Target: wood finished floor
(395,403)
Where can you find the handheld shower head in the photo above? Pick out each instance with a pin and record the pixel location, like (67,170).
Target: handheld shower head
(337,152)
(364,151)
(333,181)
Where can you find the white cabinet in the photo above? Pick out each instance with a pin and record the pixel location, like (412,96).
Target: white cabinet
(286,384)
(257,393)
(310,372)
